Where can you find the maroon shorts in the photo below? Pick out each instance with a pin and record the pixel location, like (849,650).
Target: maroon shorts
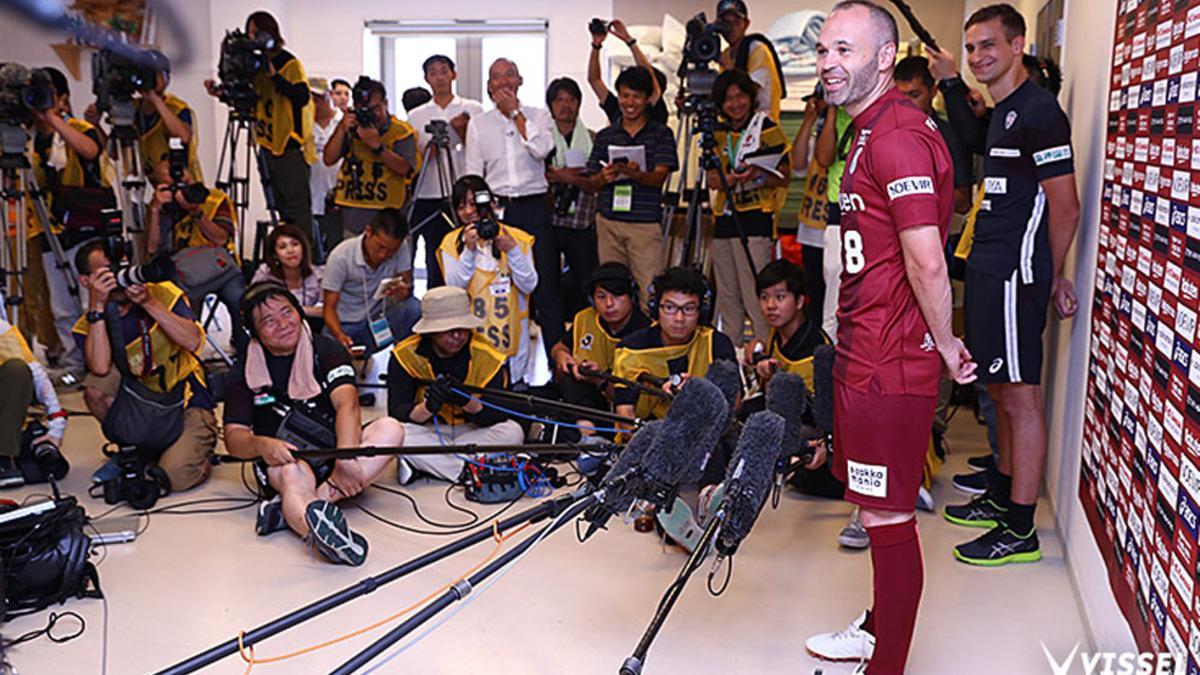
(879,446)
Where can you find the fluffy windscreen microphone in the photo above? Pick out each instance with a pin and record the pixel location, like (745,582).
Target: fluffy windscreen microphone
(787,396)
(694,422)
(623,480)
(724,374)
(750,477)
(822,405)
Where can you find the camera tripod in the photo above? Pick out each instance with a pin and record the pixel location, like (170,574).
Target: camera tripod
(125,149)
(699,117)
(436,151)
(234,179)
(19,187)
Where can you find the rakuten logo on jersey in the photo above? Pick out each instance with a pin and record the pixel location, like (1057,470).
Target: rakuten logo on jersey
(909,185)
(849,201)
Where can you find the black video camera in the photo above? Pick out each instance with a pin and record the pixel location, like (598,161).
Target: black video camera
(439,133)
(703,43)
(116,78)
(242,58)
(120,252)
(22,91)
(138,482)
(487,227)
(364,114)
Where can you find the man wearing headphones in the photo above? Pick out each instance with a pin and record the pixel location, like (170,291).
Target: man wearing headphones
(294,391)
(591,341)
(682,342)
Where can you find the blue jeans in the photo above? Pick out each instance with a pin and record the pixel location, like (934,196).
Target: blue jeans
(401,316)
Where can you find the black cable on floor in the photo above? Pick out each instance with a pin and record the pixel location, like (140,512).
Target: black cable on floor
(444,533)
(48,630)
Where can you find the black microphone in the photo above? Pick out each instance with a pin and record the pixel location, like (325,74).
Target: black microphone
(749,478)
(724,374)
(787,396)
(822,406)
(662,454)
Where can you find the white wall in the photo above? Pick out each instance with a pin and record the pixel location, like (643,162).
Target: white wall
(1086,65)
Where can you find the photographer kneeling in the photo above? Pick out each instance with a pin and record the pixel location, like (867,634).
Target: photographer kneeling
(161,339)
(293,389)
(195,225)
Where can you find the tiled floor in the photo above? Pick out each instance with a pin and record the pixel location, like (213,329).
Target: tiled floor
(193,580)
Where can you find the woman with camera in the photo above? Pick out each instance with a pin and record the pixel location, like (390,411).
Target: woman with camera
(289,261)
(757,164)
(283,119)
(494,262)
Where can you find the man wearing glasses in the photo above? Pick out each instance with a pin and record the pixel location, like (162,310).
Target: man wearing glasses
(677,344)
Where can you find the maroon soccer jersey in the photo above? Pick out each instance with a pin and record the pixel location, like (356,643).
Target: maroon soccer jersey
(898,175)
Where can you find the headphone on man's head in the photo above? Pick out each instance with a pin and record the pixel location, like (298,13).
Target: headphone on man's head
(251,299)
(706,299)
(611,272)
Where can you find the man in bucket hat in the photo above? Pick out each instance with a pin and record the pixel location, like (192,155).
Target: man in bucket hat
(446,347)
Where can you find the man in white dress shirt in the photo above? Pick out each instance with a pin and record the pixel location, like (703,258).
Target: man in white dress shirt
(508,146)
(432,197)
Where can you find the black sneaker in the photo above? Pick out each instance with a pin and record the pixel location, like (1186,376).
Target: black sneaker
(982,462)
(983,511)
(331,535)
(1000,546)
(971,483)
(270,517)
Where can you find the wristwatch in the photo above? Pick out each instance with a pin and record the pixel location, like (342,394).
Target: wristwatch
(377,150)
(514,114)
(95,317)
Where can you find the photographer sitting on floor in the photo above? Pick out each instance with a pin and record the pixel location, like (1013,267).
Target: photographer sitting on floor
(295,391)
(161,341)
(446,344)
(22,380)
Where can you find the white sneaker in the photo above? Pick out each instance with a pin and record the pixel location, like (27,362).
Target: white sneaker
(924,500)
(850,644)
(854,535)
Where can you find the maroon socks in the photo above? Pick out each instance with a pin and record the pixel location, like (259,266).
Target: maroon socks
(899,578)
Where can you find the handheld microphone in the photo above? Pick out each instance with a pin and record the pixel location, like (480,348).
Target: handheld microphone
(822,406)
(749,479)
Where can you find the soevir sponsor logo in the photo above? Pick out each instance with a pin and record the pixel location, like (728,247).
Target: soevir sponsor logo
(909,185)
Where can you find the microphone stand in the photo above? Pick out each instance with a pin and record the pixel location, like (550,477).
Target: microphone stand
(633,664)
(549,508)
(469,448)
(464,587)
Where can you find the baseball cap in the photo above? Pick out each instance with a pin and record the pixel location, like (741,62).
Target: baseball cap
(318,85)
(737,6)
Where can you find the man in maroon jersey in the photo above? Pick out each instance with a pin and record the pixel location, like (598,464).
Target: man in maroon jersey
(894,320)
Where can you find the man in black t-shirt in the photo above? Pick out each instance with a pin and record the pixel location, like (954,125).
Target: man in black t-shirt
(1026,223)
(295,391)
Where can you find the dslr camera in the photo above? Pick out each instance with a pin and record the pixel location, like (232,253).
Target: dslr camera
(598,27)
(242,58)
(364,114)
(487,226)
(116,78)
(38,461)
(177,161)
(120,252)
(21,92)
(138,482)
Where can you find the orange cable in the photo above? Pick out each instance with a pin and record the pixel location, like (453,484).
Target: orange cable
(251,660)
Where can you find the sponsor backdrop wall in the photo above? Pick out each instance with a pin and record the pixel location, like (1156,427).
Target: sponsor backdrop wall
(1139,479)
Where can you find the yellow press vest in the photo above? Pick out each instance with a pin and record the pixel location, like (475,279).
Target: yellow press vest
(802,366)
(72,175)
(630,363)
(275,119)
(814,203)
(155,142)
(379,187)
(187,232)
(967,240)
(170,364)
(13,345)
(495,299)
(767,199)
(592,341)
(485,363)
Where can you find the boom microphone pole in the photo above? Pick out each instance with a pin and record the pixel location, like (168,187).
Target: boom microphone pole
(923,33)
(549,508)
(465,449)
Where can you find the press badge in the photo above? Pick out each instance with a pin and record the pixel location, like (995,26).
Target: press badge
(381,332)
(262,399)
(622,198)
(500,285)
